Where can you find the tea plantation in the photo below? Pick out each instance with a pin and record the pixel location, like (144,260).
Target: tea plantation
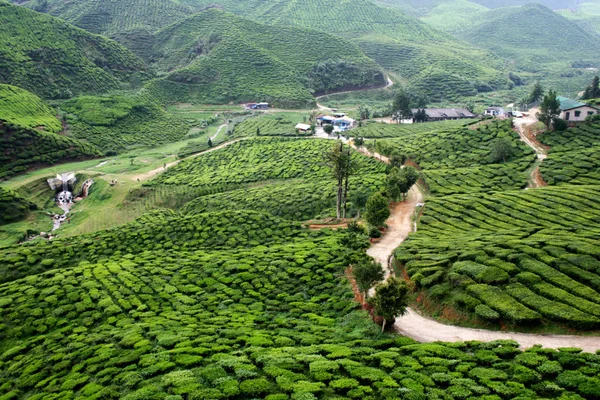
(574,155)
(23,108)
(453,148)
(114,123)
(521,257)
(189,320)
(13,207)
(259,160)
(25,149)
(43,55)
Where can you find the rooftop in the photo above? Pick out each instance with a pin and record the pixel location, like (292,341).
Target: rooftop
(567,104)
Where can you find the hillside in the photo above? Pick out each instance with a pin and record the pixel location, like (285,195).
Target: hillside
(53,59)
(20,107)
(514,34)
(586,14)
(24,149)
(13,207)
(219,57)
(454,15)
(115,123)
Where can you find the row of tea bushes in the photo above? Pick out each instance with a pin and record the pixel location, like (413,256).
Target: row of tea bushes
(157,230)
(376,130)
(267,125)
(454,149)
(114,123)
(24,149)
(527,256)
(259,160)
(294,199)
(237,325)
(23,108)
(577,167)
(580,137)
(13,207)
(486,178)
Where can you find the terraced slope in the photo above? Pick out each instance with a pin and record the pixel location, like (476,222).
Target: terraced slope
(13,207)
(114,123)
(285,177)
(24,149)
(238,320)
(455,15)
(29,134)
(519,257)
(23,108)
(573,157)
(53,59)
(219,57)
(513,33)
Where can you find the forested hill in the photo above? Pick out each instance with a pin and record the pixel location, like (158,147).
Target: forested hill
(53,59)
(216,56)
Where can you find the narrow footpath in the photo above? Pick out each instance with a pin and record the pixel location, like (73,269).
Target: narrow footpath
(423,329)
(524,127)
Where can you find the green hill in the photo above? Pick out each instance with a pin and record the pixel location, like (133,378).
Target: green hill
(20,107)
(114,123)
(586,14)
(13,207)
(454,15)
(53,59)
(218,57)
(533,37)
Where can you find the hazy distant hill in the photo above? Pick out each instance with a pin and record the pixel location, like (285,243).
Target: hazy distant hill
(216,56)
(56,60)
(533,35)
(586,14)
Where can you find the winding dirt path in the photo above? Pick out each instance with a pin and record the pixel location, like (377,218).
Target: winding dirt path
(389,83)
(424,329)
(523,127)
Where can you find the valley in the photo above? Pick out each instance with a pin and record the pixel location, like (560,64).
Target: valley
(299,200)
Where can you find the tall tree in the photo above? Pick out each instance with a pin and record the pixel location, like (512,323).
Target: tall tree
(403,103)
(592,91)
(549,109)
(536,93)
(377,210)
(328,129)
(390,300)
(367,274)
(342,166)
(364,112)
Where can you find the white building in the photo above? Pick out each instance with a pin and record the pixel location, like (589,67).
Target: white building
(574,111)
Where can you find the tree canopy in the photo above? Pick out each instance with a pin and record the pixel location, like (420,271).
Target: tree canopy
(390,300)
(549,109)
(378,209)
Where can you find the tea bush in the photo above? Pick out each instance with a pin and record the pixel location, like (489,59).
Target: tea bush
(24,149)
(193,315)
(22,108)
(377,130)
(13,207)
(527,255)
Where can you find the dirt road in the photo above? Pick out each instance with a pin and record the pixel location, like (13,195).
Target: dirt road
(389,83)
(425,329)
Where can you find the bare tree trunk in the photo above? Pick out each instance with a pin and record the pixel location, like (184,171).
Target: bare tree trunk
(383,326)
(340,192)
(346,194)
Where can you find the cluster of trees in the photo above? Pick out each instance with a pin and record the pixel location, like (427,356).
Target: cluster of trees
(550,112)
(404,102)
(592,91)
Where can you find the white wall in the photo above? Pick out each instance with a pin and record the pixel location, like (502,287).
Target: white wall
(584,113)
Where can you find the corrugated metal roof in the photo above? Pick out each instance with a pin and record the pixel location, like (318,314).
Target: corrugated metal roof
(567,104)
(447,113)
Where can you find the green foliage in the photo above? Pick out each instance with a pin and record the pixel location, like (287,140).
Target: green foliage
(574,155)
(367,274)
(114,123)
(377,210)
(22,108)
(24,149)
(527,255)
(391,299)
(501,150)
(56,60)
(13,207)
(549,110)
(255,62)
(456,148)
